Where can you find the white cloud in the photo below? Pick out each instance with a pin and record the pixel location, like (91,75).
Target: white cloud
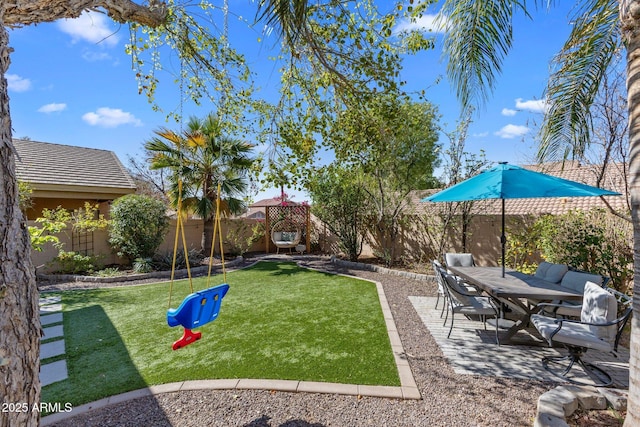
(17,83)
(508,112)
(425,23)
(512,131)
(52,108)
(532,105)
(90,56)
(90,26)
(110,117)
(481,134)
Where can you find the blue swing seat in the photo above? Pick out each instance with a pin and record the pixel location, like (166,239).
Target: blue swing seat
(198,308)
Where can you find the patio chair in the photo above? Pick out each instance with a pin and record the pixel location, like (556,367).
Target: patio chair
(437,267)
(466,303)
(285,239)
(599,328)
(459,259)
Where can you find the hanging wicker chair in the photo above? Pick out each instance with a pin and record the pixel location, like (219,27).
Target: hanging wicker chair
(285,239)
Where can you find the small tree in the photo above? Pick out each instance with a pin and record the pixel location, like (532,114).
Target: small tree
(54,222)
(341,203)
(138,226)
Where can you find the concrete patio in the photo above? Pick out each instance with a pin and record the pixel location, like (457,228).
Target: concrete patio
(472,350)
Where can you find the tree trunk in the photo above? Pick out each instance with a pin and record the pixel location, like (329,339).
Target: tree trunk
(207,236)
(630,19)
(19,316)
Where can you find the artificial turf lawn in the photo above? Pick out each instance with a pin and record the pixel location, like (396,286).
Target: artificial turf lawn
(278,321)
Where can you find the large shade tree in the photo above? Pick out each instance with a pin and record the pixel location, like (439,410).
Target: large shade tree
(20,329)
(335,42)
(479,36)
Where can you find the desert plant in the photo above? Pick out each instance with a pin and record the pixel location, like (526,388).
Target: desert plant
(143,265)
(163,261)
(240,236)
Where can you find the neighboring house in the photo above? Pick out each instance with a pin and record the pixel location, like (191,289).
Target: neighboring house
(67,176)
(257,210)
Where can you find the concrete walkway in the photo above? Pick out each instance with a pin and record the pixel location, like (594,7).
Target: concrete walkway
(53,338)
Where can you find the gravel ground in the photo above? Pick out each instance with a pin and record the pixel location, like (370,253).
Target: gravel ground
(448,399)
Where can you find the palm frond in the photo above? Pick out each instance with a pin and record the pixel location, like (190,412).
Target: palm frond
(170,136)
(479,36)
(582,64)
(289,16)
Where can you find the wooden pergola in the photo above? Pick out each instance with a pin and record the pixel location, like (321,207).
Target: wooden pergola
(289,218)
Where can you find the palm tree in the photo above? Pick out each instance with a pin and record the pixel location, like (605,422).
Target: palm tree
(199,159)
(479,36)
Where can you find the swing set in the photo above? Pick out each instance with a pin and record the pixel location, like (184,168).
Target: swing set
(201,307)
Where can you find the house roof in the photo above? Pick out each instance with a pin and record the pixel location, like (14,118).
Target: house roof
(613,179)
(274,201)
(56,170)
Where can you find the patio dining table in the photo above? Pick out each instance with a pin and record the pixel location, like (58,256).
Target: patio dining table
(515,290)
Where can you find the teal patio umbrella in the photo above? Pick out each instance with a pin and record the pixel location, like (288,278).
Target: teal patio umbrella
(506,181)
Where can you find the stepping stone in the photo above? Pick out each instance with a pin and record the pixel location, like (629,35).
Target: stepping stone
(50,299)
(53,372)
(51,349)
(52,332)
(50,308)
(51,318)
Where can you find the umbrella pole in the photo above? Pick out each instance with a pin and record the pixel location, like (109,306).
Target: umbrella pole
(503,238)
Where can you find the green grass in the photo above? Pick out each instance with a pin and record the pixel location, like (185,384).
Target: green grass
(278,321)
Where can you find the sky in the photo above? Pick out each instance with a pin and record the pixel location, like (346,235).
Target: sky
(71,82)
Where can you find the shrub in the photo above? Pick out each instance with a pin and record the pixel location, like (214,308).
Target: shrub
(142,265)
(593,241)
(164,261)
(75,263)
(138,225)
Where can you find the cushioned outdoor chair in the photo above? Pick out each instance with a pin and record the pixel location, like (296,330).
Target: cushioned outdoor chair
(285,239)
(460,301)
(452,259)
(599,328)
(459,260)
(575,281)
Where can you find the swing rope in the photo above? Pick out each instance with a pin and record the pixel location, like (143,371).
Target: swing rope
(217,231)
(217,227)
(179,232)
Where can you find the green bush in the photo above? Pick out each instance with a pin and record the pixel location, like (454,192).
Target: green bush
(138,225)
(75,263)
(594,241)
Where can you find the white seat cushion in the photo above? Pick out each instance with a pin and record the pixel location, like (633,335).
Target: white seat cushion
(571,333)
(599,306)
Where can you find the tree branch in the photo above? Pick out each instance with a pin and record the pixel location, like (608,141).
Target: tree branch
(19,13)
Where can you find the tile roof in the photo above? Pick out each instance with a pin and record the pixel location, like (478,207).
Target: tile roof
(56,164)
(613,179)
(274,201)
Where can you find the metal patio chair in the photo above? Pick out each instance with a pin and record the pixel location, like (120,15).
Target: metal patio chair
(599,328)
